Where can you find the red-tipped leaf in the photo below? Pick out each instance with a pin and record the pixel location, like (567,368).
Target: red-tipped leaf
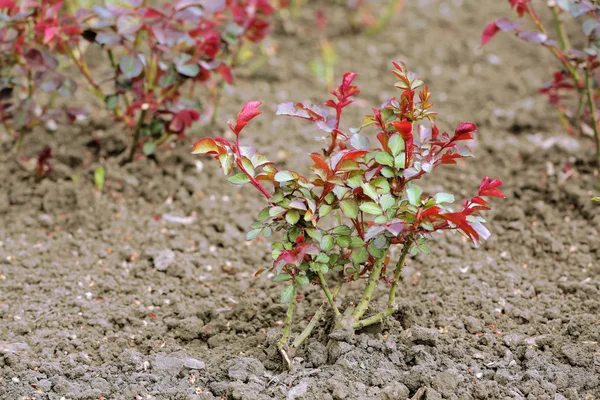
(249,111)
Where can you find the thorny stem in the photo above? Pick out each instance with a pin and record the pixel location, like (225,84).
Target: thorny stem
(374,319)
(398,272)
(315,319)
(363,304)
(136,133)
(329,295)
(593,112)
(563,39)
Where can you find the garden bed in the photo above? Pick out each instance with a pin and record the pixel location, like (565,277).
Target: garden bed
(147,290)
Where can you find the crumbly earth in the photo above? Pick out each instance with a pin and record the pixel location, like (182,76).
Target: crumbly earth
(147,291)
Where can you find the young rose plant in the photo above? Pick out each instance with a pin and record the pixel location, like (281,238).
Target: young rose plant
(573,89)
(155,55)
(362,199)
(30,77)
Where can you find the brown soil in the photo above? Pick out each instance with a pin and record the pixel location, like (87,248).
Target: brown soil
(98,299)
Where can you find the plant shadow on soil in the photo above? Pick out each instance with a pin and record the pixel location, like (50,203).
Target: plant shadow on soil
(100,299)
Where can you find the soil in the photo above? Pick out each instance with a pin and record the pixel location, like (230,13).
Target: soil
(147,291)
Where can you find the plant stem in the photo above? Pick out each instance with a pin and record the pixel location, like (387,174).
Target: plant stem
(329,295)
(593,112)
(398,271)
(374,319)
(385,18)
(563,39)
(287,324)
(363,304)
(315,319)
(136,133)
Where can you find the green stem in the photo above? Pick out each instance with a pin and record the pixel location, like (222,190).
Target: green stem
(363,304)
(315,319)
(329,295)
(563,39)
(287,329)
(216,102)
(136,133)
(385,19)
(374,319)
(398,272)
(593,112)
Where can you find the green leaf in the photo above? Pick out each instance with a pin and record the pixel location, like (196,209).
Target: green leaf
(387,201)
(596,198)
(344,241)
(239,179)
(444,198)
(375,252)
(384,158)
(282,277)
(396,144)
(253,234)
(111,101)
(370,208)
(302,280)
(327,243)
(388,172)
(284,176)
(342,230)
(400,161)
(349,208)
(292,217)
(359,142)
(131,66)
(315,234)
(370,191)
(288,294)
(357,242)
(248,166)
(226,161)
(276,211)
(149,148)
(324,210)
(189,70)
(414,193)
(360,255)
(99,175)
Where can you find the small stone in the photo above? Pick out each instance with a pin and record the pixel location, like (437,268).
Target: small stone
(163,259)
(193,363)
(473,325)
(168,364)
(422,335)
(244,367)
(297,391)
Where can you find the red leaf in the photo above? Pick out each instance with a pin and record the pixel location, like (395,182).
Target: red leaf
(450,158)
(489,187)
(320,162)
(464,131)
(249,111)
(488,33)
(404,127)
(346,89)
(225,73)
(7,4)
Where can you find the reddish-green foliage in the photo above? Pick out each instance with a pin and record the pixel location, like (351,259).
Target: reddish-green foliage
(155,57)
(30,76)
(574,83)
(362,198)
